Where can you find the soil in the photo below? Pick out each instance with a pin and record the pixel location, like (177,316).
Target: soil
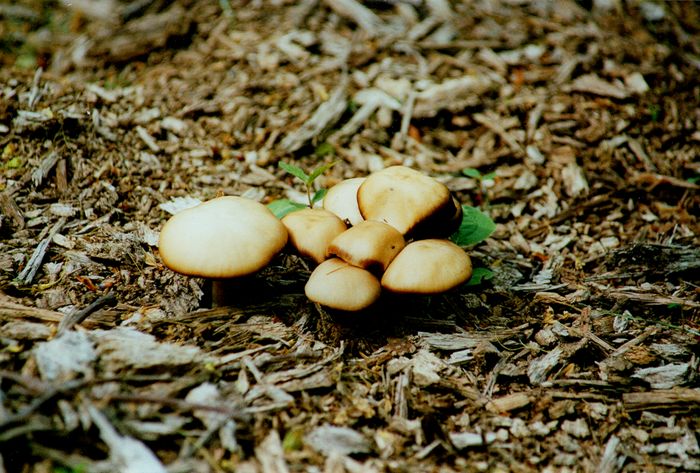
(579,353)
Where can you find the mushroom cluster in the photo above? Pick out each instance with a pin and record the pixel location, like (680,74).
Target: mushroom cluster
(398,221)
(386,231)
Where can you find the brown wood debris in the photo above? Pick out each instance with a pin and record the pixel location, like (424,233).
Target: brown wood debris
(580,353)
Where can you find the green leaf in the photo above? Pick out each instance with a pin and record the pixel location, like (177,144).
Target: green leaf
(476,226)
(293,440)
(473,173)
(320,194)
(479,275)
(654,111)
(320,170)
(14,163)
(282,207)
(27,60)
(295,171)
(324,149)
(488,177)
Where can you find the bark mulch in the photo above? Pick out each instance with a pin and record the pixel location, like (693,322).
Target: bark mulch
(580,353)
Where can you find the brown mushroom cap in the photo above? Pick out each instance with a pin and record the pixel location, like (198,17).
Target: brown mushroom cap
(404,198)
(440,224)
(339,285)
(341,199)
(369,244)
(428,267)
(222,238)
(312,230)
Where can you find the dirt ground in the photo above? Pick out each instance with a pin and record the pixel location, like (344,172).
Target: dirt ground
(579,354)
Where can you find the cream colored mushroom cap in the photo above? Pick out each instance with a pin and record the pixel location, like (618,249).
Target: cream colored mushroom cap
(339,285)
(428,267)
(312,230)
(224,237)
(401,197)
(341,199)
(370,245)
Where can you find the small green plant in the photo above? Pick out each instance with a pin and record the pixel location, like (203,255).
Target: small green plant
(293,440)
(476,174)
(324,149)
(282,207)
(70,469)
(654,112)
(479,275)
(480,178)
(476,226)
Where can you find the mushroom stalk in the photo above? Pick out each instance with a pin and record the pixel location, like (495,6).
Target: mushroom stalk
(220,292)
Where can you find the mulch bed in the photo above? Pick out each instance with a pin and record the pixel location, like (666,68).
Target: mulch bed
(579,354)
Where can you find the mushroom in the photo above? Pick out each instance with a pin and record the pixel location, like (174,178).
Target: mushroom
(440,224)
(427,267)
(312,230)
(339,285)
(226,237)
(410,201)
(370,245)
(341,199)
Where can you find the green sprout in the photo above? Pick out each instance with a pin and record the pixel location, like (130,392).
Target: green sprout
(654,112)
(282,207)
(481,178)
(476,174)
(324,149)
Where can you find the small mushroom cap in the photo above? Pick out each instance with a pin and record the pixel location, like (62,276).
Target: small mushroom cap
(312,230)
(402,197)
(341,199)
(428,267)
(222,238)
(369,244)
(339,285)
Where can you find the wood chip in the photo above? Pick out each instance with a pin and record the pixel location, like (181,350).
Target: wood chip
(593,84)
(325,116)
(662,399)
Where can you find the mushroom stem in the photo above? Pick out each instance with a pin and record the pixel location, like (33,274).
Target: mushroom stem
(239,291)
(220,290)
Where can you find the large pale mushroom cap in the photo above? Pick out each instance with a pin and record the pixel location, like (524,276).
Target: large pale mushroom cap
(312,230)
(341,199)
(369,244)
(428,267)
(222,238)
(339,285)
(404,198)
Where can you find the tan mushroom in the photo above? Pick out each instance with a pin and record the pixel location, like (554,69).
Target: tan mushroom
(223,238)
(312,230)
(339,285)
(440,224)
(408,200)
(369,244)
(427,267)
(341,199)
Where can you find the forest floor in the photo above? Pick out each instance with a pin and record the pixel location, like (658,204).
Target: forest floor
(581,353)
